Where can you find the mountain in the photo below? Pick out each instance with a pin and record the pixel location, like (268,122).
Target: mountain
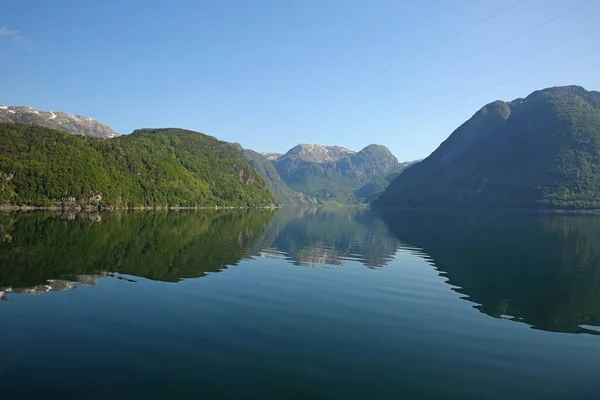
(283,194)
(73,124)
(150,167)
(316,153)
(542,151)
(271,156)
(336,173)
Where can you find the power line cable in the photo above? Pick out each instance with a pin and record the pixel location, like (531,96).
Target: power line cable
(421,51)
(567,59)
(501,43)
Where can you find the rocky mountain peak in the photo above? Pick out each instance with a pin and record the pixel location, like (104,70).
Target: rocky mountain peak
(272,156)
(317,153)
(73,124)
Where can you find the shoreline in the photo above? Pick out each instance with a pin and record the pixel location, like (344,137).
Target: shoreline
(489,210)
(9,208)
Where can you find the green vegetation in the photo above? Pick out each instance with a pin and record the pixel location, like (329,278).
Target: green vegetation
(282,192)
(158,245)
(349,180)
(158,167)
(538,152)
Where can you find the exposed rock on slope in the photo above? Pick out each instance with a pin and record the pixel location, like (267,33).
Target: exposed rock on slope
(73,124)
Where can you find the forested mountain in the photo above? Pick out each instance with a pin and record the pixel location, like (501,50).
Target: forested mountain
(335,173)
(74,124)
(283,194)
(150,167)
(542,151)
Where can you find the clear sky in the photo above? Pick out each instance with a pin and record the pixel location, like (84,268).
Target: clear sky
(271,74)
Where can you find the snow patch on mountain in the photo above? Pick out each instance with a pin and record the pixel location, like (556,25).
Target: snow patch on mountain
(73,124)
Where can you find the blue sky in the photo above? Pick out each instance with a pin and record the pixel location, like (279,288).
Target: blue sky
(271,74)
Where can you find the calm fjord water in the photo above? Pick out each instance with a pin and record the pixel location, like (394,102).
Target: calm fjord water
(299,304)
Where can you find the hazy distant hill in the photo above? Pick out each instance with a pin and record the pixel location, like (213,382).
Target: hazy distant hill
(538,152)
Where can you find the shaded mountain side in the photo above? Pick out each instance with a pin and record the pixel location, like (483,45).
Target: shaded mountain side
(73,124)
(150,167)
(372,190)
(539,152)
(283,194)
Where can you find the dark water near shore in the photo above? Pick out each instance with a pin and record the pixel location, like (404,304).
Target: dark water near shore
(299,304)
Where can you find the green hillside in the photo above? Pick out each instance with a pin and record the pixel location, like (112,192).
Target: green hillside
(539,152)
(150,167)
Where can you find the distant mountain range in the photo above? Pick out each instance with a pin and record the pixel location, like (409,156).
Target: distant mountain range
(312,173)
(542,151)
(73,124)
(306,174)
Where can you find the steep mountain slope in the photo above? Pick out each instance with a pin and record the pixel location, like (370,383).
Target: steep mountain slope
(539,152)
(283,194)
(73,124)
(158,167)
(334,172)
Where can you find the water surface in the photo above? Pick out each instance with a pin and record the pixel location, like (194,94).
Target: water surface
(299,304)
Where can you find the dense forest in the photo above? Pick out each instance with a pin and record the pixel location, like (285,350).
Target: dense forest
(150,167)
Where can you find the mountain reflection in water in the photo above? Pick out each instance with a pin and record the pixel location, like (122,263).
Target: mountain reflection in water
(543,270)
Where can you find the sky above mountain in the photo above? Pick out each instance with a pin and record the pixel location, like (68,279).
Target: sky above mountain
(271,74)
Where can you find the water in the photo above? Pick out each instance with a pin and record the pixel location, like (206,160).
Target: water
(300,304)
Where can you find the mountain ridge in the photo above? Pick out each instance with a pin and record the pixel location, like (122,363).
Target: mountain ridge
(541,151)
(148,168)
(73,124)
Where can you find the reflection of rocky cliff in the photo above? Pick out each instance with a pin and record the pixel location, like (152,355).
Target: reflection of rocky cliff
(167,246)
(314,236)
(51,285)
(542,270)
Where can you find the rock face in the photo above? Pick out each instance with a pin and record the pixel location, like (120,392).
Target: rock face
(316,153)
(539,152)
(271,156)
(73,124)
